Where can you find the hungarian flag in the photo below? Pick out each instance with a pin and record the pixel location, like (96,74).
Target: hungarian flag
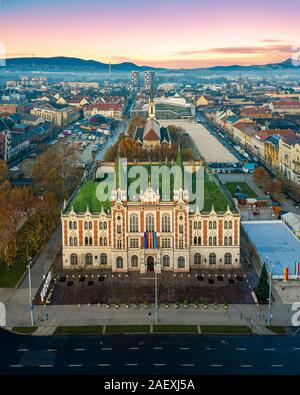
(286,274)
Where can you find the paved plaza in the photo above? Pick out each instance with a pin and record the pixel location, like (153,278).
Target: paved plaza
(209,147)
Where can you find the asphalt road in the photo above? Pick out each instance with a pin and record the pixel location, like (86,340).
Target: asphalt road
(149,354)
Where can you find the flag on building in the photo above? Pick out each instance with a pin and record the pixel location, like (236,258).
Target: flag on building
(286,274)
(150,240)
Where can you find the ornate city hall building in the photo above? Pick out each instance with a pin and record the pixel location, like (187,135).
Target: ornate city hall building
(150,233)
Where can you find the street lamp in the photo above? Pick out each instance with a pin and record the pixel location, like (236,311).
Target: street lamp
(30,291)
(270,288)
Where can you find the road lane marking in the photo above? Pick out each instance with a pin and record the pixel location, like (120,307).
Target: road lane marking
(269,349)
(23,349)
(246,366)
(184,348)
(106,348)
(157,348)
(133,348)
(74,365)
(131,364)
(210,349)
(45,366)
(52,350)
(216,366)
(103,364)
(16,366)
(159,364)
(297,349)
(187,364)
(276,366)
(79,349)
(241,349)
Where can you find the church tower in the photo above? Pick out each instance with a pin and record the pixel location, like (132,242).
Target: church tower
(151,109)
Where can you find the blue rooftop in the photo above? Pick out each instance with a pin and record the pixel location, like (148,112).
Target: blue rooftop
(276,245)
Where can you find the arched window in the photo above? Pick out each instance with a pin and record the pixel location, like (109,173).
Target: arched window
(228,258)
(225,241)
(71,241)
(199,225)
(197,259)
(181,262)
(74,225)
(230,241)
(212,258)
(90,225)
(199,241)
(119,229)
(214,241)
(100,225)
(134,261)
(166,223)
(104,225)
(225,225)
(86,225)
(89,259)
(210,241)
(90,241)
(195,225)
(230,225)
(149,223)
(133,223)
(166,260)
(74,259)
(101,241)
(103,259)
(180,228)
(70,225)
(210,225)
(119,262)
(86,241)
(215,225)
(195,240)
(75,241)
(105,241)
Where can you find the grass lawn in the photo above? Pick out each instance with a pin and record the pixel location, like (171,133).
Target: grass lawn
(87,197)
(127,329)
(175,328)
(24,329)
(245,188)
(225,329)
(279,330)
(78,330)
(9,277)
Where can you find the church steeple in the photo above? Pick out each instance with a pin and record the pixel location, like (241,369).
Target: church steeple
(151,110)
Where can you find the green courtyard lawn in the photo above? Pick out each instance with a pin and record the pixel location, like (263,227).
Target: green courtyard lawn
(127,329)
(78,330)
(245,189)
(230,329)
(9,278)
(175,329)
(25,330)
(279,330)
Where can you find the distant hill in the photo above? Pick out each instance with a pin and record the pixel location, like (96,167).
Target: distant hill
(68,64)
(61,63)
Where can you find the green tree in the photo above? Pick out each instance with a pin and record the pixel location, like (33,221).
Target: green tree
(262,290)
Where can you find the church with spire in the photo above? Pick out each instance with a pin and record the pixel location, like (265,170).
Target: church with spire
(153,135)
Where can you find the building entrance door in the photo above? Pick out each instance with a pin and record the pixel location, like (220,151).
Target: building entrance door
(150,263)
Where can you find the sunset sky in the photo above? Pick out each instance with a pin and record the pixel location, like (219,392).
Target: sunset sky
(167,33)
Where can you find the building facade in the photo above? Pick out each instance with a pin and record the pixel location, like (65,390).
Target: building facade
(149,233)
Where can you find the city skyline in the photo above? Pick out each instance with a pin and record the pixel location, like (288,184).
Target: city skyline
(172,34)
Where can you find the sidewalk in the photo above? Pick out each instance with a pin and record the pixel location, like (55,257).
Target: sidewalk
(18,314)
(44,260)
